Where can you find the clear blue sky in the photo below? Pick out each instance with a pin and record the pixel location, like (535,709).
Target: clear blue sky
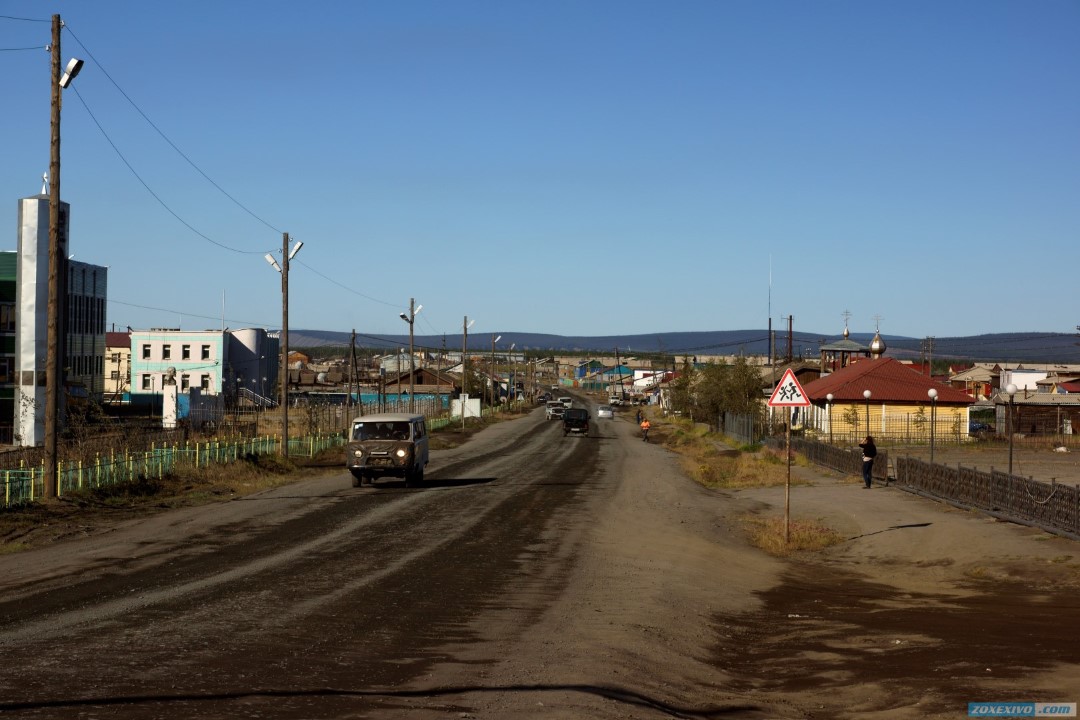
(568,166)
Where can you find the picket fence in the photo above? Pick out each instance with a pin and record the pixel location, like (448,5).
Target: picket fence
(27,484)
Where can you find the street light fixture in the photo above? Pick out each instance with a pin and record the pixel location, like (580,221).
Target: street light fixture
(932,393)
(411,319)
(57,279)
(866,395)
(1010,389)
(491,370)
(286,256)
(465,325)
(829,398)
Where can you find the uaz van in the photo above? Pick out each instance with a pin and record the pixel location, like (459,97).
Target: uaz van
(387,445)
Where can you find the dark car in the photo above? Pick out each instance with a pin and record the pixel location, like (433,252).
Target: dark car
(980,430)
(575,420)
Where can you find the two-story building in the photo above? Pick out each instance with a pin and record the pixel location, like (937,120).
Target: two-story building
(230,363)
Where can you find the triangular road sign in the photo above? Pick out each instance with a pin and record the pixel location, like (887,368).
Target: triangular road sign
(789,392)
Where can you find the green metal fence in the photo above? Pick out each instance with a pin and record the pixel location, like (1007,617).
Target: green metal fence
(27,484)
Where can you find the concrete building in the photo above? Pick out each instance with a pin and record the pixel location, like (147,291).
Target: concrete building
(238,363)
(24,276)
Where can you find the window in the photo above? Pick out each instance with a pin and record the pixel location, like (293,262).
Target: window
(147,382)
(146,351)
(206,382)
(185,382)
(205,352)
(114,375)
(166,352)
(115,358)
(185,352)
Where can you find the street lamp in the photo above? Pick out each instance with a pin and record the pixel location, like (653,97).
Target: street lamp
(286,256)
(511,384)
(57,279)
(411,319)
(465,325)
(932,392)
(491,370)
(866,395)
(1010,389)
(829,398)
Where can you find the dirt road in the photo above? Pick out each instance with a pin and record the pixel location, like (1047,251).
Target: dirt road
(539,576)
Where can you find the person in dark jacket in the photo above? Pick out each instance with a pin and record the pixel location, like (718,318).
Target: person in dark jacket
(869,452)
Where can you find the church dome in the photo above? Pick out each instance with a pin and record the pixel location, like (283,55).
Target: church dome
(877,345)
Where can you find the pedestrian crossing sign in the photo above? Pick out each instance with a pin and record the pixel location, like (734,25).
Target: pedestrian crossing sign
(789,392)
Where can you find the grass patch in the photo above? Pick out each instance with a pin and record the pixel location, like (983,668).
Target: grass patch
(706,458)
(805,535)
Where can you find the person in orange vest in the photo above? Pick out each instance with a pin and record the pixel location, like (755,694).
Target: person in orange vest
(645,429)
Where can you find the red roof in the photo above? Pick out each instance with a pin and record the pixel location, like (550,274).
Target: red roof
(118,339)
(887,380)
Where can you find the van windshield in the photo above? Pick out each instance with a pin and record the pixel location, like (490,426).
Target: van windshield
(380,431)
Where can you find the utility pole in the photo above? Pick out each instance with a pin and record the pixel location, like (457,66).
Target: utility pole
(491,370)
(465,325)
(790,338)
(54,335)
(411,319)
(285,344)
(53,340)
(286,256)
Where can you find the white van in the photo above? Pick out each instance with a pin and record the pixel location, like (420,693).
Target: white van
(387,444)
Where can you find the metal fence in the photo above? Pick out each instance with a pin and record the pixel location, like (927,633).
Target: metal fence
(843,460)
(1053,506)
(27,484)
(748,429)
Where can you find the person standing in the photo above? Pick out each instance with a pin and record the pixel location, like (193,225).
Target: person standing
(869,452)
(645,429)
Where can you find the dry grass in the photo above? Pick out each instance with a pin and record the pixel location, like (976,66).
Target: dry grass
(705,457)
(804,535)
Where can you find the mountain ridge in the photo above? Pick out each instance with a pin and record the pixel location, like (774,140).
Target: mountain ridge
(1037,347)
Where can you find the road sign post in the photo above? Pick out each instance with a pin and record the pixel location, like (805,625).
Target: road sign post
(788,394)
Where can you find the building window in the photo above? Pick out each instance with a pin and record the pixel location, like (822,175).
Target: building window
(7,318)
(166,352)
(185,382)
(185,352)
(206,383)
(147,382)
(114,375)
(205,352)
(146,351)
(115,358)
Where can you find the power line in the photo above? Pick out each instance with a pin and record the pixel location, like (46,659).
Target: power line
(163,204)
(166,138)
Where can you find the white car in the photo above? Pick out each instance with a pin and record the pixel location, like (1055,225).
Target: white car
(554,409)
(605,411)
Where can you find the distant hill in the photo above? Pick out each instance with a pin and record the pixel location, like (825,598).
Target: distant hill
(999,347)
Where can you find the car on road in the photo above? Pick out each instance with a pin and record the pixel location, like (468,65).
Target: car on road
(576,421)
(567,401)
(387,444)
(605,411)
(554,409)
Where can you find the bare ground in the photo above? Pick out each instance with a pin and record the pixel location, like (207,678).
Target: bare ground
(582,578)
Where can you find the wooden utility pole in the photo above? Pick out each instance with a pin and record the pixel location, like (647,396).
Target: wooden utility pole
(54,342)
(285,344)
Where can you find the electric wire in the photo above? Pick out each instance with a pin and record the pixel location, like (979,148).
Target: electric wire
(161,202)
(165,137)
